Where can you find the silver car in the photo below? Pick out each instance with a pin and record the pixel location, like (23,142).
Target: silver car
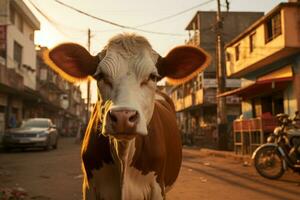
(34,132)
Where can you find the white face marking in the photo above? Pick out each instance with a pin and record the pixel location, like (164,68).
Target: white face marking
(125,80)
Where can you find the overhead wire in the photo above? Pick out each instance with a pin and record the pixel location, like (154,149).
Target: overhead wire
(114,23)
(56,25)
(175,15)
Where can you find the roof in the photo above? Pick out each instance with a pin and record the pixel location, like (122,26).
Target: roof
(272,81)
(259,87)
(26,13)
(261,20)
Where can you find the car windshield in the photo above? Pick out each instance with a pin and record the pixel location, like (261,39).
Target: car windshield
(35,123)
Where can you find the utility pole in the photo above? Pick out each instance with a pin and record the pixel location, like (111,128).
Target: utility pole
(220,75)
(88,104)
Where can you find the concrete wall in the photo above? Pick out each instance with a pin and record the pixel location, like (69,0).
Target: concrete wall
(23,37)
(234,24)
(28,54)
(4,11)
(296,87)
(291,26)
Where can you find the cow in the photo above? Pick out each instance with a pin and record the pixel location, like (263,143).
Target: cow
(132,147)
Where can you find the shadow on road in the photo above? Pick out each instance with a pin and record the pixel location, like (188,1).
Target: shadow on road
(190,158)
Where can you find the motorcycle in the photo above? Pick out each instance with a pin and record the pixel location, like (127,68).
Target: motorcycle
(282,150)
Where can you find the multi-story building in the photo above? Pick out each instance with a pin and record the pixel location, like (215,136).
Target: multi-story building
(17,60)
(266,57)
(60,100)
(25,89)
(195,100)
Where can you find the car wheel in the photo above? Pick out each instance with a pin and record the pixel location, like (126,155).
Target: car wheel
(48,146)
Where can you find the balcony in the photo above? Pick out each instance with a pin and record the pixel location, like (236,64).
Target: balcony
(11,79)
(51,81)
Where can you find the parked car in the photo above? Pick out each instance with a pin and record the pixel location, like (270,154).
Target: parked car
(34,132)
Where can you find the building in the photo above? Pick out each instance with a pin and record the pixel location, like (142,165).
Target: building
(60,100)
(195,100)
(25,91)
(17,61)
(266,57)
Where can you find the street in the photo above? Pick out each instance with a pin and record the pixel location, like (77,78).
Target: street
(56,175)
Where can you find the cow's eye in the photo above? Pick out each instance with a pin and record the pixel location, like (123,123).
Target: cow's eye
(103,78)
(152,77)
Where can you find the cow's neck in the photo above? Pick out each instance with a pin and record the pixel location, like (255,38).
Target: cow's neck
(123,152)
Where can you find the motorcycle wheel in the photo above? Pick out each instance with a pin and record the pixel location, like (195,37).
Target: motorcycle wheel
(268,163)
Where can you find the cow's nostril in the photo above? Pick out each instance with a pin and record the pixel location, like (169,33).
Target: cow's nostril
(113,117)
(133,117)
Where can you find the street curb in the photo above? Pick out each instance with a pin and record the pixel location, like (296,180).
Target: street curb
(226,154)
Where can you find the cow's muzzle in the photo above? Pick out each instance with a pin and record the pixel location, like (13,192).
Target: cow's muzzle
(123,122)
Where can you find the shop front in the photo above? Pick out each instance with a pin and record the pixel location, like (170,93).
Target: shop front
(262,99)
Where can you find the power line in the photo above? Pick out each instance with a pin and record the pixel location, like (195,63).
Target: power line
(164,18)
(113,23)
(51,21)
(175,15)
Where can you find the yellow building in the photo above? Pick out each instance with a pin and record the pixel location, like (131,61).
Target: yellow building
(195,100)
(267,58)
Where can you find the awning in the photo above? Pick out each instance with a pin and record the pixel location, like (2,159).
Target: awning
(274,81)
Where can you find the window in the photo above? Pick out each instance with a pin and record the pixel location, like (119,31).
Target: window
(252,42)
(273,27)
(228,57)
(237,52)
(18,53)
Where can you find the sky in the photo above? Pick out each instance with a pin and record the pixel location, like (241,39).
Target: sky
(67,25)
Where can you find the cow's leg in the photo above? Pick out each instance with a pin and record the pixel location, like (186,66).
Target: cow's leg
(88,192)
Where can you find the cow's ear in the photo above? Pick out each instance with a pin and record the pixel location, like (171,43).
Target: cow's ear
(72,61)
(182,64)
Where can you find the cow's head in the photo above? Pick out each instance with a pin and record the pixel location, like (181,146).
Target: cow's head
(126,72)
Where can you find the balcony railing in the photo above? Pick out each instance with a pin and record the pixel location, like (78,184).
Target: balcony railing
(10,78)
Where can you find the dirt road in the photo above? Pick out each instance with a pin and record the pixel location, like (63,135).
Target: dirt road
(205,177)
(56,175)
